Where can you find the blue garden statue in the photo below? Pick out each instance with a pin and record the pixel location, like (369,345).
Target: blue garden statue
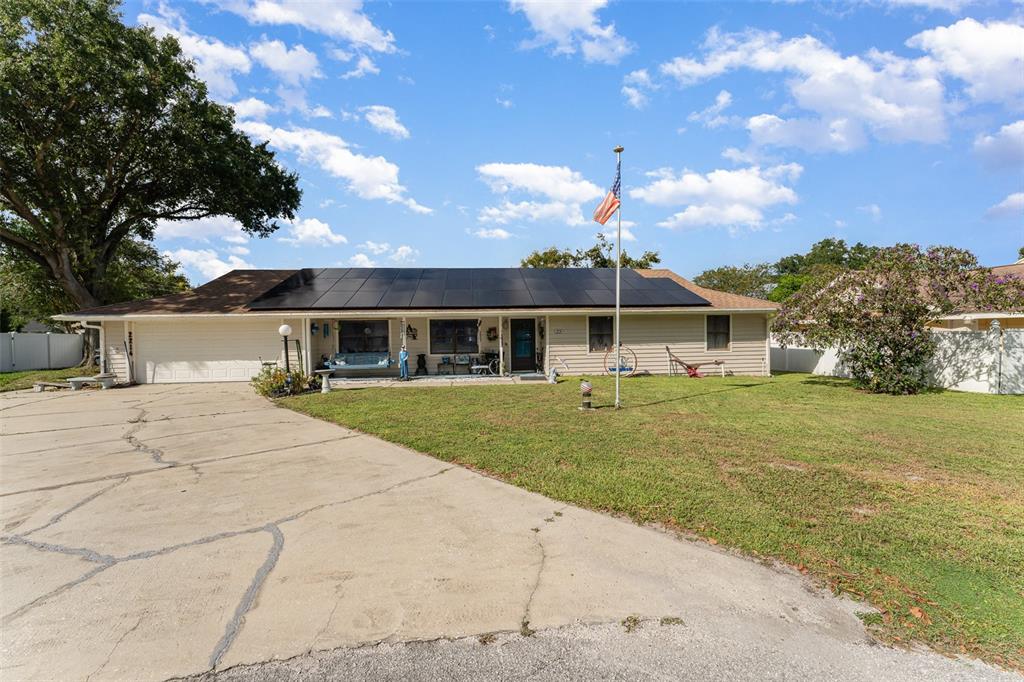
(403,364)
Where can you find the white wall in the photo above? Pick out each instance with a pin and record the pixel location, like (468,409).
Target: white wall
(19,352)
(979,362)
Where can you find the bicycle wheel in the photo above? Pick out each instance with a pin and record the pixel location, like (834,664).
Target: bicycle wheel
(627,362)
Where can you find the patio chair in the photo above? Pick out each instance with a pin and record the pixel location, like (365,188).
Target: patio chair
(462,361)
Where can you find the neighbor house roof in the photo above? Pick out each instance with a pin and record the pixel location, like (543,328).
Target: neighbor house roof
(717,299)
(383,289)
(1014,270)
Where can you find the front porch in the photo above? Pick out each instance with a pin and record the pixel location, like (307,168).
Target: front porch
(453,345)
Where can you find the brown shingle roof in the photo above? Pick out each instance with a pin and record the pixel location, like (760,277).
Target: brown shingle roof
(718,299)
(230,293)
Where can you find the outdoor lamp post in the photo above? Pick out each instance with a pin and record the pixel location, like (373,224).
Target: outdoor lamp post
(285,331)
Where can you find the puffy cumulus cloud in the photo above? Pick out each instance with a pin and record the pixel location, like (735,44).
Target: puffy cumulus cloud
(215,61)
(722,197)
(404,254)
(812,134)
(252,107)
(207,262)
(712,116)
(364,66)
(636,88)
(1010,207)
(310,231)
(895,99)
(556,191)
(202,230)
(376,248)
(368,177)
(571,26)
(1003,149)
(361,260)
(493,233)
(988,57)
(294,65)
(341,19)
(385,120)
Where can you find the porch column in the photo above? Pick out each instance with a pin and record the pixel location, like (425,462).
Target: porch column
(306,359)
(547,344)
(402,331)
(501,345)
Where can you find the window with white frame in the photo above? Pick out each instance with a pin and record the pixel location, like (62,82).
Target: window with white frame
(718,332)
(601,332)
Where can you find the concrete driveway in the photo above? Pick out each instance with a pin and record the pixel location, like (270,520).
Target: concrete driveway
(164,531)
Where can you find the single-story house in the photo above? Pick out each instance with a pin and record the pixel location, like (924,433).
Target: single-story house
(981,320)
(529,319)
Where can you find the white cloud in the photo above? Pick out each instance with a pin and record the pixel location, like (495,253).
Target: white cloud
(376,248)
(202,230)
(404,254)
(207,262)
(812,134)
(369,177)
(635,88)
(294,66)
(493,233)
(341,19)
(560,190)
(1004,149)
(873,210)
(1010,207)
(238,250)
(627,231)
(712,117)
(385,120)
(896,99)
(361,260)
(215,62)
(253,108)
(988,57)
(504,103)
(571,26)
(839,223)
(948,5)
(312,231)
(364,67)
(721,197)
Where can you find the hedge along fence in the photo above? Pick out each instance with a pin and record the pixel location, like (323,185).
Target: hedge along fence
(20,352)
(980,362)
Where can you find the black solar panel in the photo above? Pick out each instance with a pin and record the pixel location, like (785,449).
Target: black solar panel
(427,288)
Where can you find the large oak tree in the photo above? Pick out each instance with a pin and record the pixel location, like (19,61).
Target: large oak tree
(104,131)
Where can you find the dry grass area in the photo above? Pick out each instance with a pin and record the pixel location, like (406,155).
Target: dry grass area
(914,503)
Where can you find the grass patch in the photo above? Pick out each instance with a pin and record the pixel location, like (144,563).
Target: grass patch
(915,503)
(15,381)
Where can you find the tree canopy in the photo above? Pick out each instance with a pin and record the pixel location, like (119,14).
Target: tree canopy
(876,316)
(104,131)
(779,280)
(600,255)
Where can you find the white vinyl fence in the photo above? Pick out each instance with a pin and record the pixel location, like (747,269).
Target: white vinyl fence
(20,352)
(979,362)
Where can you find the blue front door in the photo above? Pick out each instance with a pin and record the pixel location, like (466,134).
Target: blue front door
(524,345)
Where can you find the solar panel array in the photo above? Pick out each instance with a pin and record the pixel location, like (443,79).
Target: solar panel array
(472,288)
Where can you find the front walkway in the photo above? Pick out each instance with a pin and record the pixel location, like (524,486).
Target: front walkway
(159,531)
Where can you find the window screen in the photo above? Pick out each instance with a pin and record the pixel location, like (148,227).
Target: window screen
(363,336)
(453,336)
(602,333)
(718,332)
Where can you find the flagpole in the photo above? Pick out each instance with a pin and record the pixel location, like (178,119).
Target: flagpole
(618,282)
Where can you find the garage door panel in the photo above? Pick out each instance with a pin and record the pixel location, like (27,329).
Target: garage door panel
(196,351)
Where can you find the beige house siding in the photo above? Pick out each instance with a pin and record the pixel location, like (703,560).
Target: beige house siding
(647,336)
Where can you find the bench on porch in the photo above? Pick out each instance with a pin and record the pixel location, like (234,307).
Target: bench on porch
(344,361)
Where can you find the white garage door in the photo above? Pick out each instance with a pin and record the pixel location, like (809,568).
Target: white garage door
(204,350)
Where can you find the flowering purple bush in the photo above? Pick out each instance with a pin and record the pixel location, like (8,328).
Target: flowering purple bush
(876,316)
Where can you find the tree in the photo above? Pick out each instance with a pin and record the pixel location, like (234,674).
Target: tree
(600,255)
(104,130)
(877,315)
(747,280)
(28,292)
(1020,253)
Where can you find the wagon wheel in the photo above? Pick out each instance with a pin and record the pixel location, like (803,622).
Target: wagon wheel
(627,360)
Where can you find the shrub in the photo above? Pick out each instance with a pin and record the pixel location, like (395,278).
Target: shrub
(274,382)
(877,317)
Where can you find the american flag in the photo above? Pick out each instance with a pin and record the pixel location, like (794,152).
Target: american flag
(611,202)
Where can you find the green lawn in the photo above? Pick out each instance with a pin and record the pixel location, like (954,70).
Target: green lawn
(915,503)
(13,381)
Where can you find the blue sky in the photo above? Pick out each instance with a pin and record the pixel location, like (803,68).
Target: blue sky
(469,134)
